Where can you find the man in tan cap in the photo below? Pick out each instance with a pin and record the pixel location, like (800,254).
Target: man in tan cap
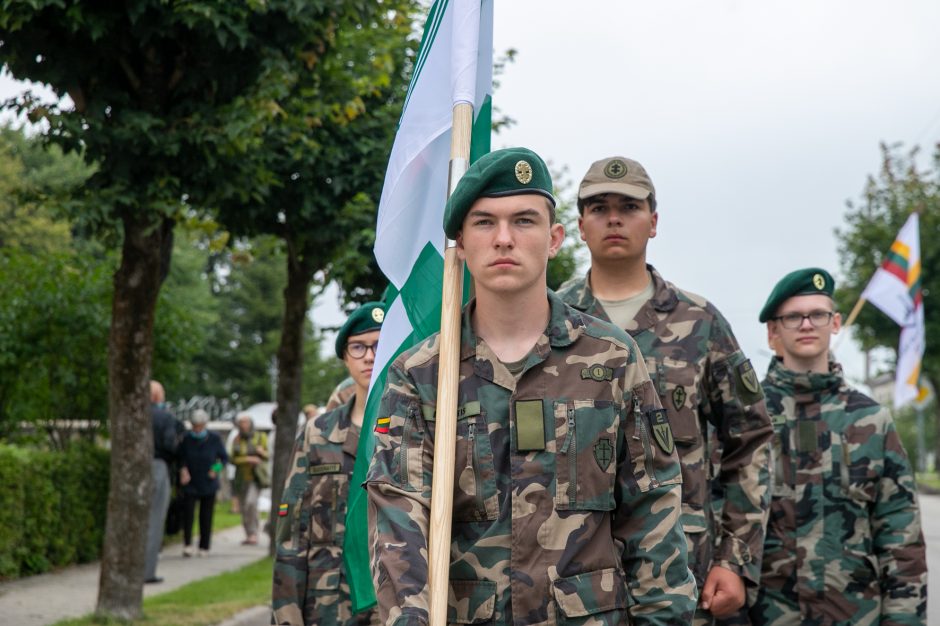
(708,387)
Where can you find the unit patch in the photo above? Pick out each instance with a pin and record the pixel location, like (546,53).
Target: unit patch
(748,386)
(381,424)
(662,432)
(603,453)
(678,397)
(615,169)
(597,372)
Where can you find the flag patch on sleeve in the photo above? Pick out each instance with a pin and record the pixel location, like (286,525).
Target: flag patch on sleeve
(282,510)
(381,424)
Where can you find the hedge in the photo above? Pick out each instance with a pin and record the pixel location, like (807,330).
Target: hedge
(53,506)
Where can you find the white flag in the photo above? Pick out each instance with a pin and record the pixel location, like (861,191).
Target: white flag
(896,290)
(454,64)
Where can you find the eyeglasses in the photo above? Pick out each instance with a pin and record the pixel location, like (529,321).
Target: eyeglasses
(792,321)
(357,349)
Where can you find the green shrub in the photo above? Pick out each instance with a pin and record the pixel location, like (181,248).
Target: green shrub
(52,507)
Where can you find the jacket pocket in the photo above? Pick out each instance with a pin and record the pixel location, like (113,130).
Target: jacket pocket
(475,496)
(471,601)
(586,459)
(592,594)
(322,516)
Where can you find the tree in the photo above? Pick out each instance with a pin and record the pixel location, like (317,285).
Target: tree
(325,155)
(167,97)
(872,225)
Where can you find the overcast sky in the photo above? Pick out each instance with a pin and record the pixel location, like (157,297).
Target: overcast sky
(756,121)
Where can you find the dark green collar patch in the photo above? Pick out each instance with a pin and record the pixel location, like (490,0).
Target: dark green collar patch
(603,453)
(598,373)
(662,433)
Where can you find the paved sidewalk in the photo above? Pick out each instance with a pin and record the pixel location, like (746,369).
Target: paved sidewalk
(72,592)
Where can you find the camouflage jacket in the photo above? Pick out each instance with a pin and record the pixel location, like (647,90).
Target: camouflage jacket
(309,576)
(718,419)
(844,543)
(567,485)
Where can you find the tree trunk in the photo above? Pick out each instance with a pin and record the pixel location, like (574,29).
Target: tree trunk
(290,364)
(144,260)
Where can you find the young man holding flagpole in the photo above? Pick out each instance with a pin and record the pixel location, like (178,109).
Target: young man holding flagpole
(568,488)
(844,543)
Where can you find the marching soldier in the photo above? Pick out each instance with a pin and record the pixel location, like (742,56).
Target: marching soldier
(706,384)
(310,584)
(844,543)
(567,484)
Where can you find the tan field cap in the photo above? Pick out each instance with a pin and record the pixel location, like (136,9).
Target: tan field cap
(617,175)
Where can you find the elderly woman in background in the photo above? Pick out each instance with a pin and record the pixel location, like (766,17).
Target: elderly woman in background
(250,457)
(202,457)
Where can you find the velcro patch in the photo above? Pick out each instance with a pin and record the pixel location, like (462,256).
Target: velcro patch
(325,468)
(599,373)
(381,424)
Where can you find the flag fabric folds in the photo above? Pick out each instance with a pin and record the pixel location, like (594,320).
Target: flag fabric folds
(454,64)
(896,290)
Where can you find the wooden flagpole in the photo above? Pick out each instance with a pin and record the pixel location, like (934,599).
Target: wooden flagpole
(445,424)
(855,311)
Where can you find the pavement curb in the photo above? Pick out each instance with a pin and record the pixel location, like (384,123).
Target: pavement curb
(255,616)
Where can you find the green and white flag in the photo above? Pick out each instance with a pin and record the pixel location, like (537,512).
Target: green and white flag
(454,65)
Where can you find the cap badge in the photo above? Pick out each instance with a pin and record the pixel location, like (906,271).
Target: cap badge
(524,172)
(615,169)
(378,315)
(818,281)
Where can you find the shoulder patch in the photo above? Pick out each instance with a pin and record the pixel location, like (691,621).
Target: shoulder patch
(381,424)
(662,432)
(746,383)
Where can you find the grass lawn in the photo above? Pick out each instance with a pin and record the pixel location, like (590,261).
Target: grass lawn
(204,602)
(930,480)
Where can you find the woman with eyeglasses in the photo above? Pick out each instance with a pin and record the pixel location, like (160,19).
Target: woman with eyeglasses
(309,576)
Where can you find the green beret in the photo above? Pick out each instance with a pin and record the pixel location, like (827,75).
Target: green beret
(367,317)
(811,280)
(508,172)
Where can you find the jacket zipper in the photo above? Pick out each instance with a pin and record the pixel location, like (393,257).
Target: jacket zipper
(474,465)
(644,437)
(572,459)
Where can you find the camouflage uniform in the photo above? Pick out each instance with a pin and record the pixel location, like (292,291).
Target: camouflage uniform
(341,394)
(718,419)
(844,543)
(309,576)
(566,506)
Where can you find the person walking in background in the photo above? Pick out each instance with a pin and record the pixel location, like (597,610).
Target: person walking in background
(310,584)
(164,450)
(202,457)
(844,543)
(250,456)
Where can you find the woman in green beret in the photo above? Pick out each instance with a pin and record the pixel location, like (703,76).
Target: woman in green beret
(309,576)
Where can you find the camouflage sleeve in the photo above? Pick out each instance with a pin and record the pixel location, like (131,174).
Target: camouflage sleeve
(290,556)
(898,540)
(736,410)
(399,494)
(647,518)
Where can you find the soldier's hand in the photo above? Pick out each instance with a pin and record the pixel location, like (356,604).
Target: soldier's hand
(723,592)
(184,476)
